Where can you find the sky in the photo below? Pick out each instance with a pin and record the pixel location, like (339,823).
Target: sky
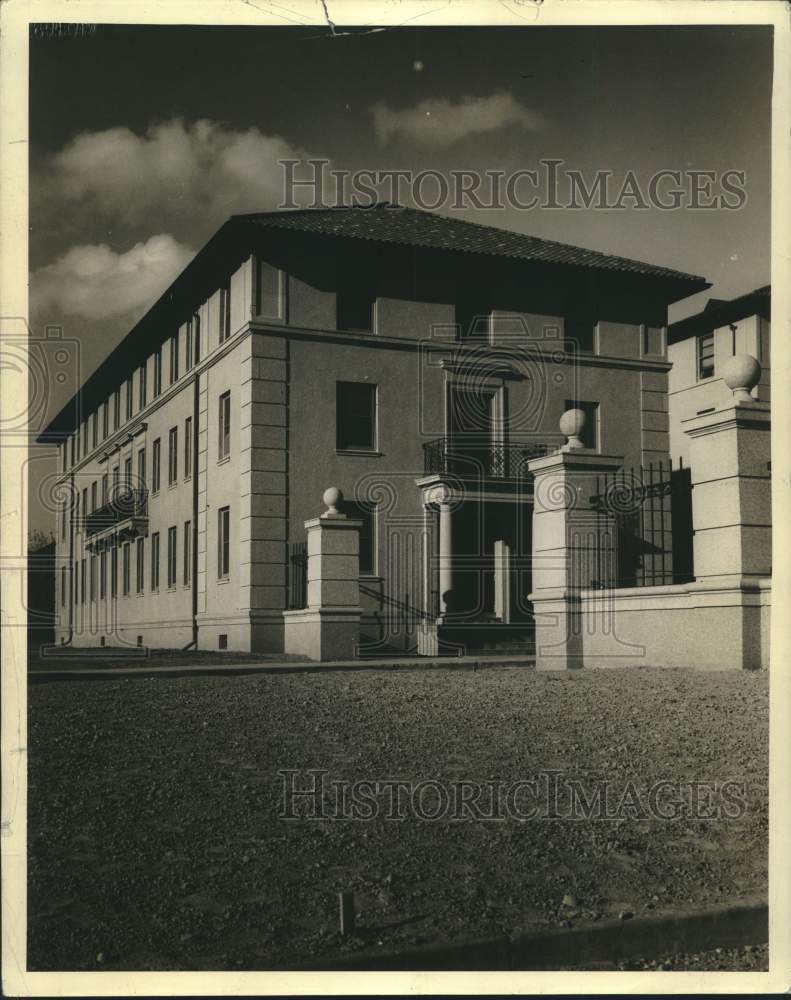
(144,139)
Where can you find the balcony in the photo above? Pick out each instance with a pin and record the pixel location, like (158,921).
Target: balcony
(481,459)
(127,505)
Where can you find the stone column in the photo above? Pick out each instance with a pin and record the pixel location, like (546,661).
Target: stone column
(329,627)
(445,557)
(731,498)
(565,542)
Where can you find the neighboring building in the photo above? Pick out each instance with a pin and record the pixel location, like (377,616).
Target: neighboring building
(369,349)
(699,346)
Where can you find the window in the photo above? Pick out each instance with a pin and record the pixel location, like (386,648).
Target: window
(84,510)
(103,574)
(173,455)
(473,317)
(94,486)
(225,313)
(355,425)
(268,291)
(105,419)
(172,557)
(155,561)
(174,358)
(104,489)
(116,409)
(224,437)
(63,516)
(187,552)
(196,337)
(94,429)
(116,483)
(92,570)
(155,461)
(63,586)
(188,447)
(188,347)
(140,564)
(223,541)
(590,432)
(141,469)
(706,355)
(128,484)
(366,513)
(113,572)
(82,580)
(355,309)
(125,569)
(157,372)
(142,387)
(129,398)
(73,442)
(579,335)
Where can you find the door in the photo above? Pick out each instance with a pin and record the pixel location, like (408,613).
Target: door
(472,418)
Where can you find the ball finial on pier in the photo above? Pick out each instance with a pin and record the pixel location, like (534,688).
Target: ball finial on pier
(572,424)
(332,497)
(741,373)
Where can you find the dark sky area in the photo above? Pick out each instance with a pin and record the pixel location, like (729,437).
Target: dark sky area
(144,139)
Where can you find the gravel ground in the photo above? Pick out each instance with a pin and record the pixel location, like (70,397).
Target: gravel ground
(155,840)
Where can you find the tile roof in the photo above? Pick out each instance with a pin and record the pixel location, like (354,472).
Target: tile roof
(386,223)
(721,312)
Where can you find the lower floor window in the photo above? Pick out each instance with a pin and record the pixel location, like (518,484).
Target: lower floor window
(223,541)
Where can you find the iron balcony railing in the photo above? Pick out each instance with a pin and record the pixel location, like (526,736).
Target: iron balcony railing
(494,460)
(125,505)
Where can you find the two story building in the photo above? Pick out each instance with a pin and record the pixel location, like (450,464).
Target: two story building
(698,348)
(373,349)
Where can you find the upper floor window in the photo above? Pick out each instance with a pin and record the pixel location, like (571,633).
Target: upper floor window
(116,409)
(105,419)
(188,447)
(141,468)
(157,372)
(94,428)
(473,318)
(196,337)
(188,347)
(225,313)
(706,355)
(224,436)
(355,309)
(129,398)
(173,455)
(355,416)
(580,335)
(155,464)
(174,359)
(141,387)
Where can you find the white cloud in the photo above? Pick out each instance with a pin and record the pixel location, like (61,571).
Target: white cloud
(96,283)
(175,172)
(437,122)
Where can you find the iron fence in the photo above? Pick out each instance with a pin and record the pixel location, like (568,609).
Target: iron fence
(297,561)
(644,528)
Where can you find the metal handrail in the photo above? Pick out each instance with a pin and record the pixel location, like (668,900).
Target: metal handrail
(479,457)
